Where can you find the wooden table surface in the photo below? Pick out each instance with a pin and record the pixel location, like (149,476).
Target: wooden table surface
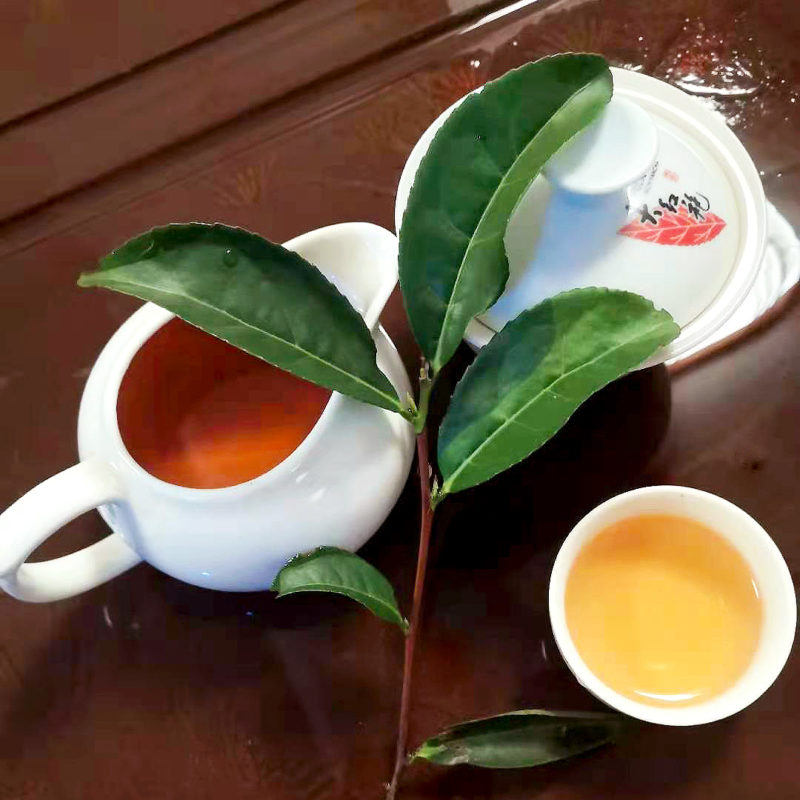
(281,117)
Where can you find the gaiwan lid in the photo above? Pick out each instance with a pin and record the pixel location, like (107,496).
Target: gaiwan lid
(657,197)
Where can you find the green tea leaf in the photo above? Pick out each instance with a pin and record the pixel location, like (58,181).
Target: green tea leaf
(256,295)
(452,259)
(522,739)
(526,383)
(329,569)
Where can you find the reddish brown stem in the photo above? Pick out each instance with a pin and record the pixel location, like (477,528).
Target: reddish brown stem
(426,520)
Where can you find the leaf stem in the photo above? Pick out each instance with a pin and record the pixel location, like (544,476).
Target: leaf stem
(426,521)
(425,389)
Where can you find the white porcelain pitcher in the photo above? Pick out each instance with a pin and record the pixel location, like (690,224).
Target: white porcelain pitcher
(335,489)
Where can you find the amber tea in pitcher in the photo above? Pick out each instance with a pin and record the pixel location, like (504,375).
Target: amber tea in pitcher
(197,412)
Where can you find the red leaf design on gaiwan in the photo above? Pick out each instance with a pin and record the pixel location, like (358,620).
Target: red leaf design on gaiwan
(676,227)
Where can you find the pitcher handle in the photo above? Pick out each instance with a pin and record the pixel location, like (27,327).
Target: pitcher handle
(38,514)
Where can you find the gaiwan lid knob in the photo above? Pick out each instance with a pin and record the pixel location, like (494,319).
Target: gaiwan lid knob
(613,152)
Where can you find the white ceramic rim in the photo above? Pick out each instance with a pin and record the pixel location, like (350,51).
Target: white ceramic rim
(149,319)
(747,689)
(734,160)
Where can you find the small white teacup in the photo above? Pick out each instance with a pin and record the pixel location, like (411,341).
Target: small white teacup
(758,550)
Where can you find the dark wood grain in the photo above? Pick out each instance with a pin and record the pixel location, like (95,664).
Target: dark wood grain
(147,687)
(52,49)
(199,88)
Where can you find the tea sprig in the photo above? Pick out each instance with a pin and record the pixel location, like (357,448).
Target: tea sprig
(521,389)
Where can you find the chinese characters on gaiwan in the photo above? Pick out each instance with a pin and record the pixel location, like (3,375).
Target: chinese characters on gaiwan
(679,219)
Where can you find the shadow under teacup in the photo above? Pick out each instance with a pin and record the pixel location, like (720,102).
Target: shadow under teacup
(178,451)
(742,545)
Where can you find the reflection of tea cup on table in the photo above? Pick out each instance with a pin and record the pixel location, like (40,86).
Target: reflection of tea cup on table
(747,542)
(335,488)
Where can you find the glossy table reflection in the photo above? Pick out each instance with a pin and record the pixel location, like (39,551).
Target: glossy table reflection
(147,687)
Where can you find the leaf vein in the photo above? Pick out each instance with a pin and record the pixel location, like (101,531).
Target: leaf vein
(514,417)
(292,345)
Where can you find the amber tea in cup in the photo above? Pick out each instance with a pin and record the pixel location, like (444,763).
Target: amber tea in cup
(197,412)
(663,609)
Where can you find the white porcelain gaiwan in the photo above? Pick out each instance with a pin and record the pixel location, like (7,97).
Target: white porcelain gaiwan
(656,197)
(335,489)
